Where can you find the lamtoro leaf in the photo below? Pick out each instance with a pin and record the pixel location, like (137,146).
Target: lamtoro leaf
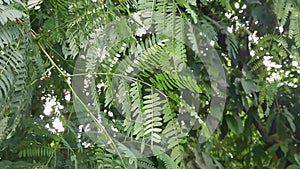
(294,27)
(154,84)
(3,126)
(8,13)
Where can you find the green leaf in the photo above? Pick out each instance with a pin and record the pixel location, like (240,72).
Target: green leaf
(232,124)
(254,2)
(290,119)
(284,147)
(273,148)
(208,160)
(293,166)
(248,86)
(297,158)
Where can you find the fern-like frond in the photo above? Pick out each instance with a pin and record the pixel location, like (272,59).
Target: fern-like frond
(146,71)
(9,13)
(8,2)
(231,46)
(276,46)
(174,136)
(279,40)
(208,30)
(9,34)
(153,55)
(81,20)
(145,163)
(162,16)
(37,60)
(136,95)
(170,81)
(124,4)
(14,41)
(149,122)
(136,107)
(36,151)
(70,47)
(109,93)
(147,9)
(21,164)
(282,8)
(230,41)
(152,113)
(166,159)
(259,64)
(125,100)
(294,28)
(106,159)
(3,125)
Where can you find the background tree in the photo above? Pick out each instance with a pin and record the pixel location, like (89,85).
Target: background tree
(141,77)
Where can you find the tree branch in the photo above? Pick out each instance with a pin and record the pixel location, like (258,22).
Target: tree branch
(262,130)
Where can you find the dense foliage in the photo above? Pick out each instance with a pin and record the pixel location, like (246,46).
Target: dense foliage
(149,84)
